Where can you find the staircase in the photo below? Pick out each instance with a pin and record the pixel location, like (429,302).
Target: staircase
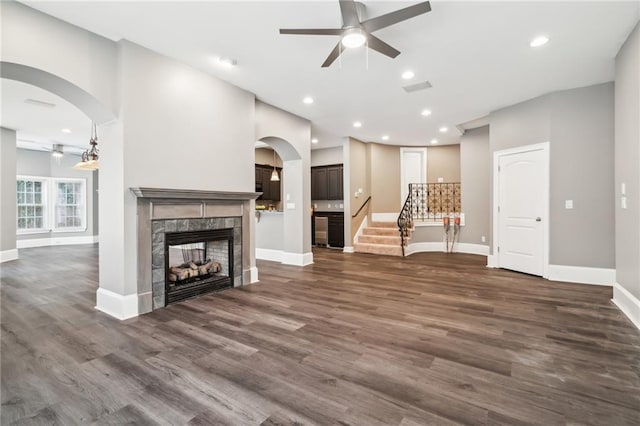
(380,238)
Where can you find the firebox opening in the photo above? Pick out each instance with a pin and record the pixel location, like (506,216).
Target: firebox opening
(198,262)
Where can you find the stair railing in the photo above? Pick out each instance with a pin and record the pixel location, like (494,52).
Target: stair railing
(405,220)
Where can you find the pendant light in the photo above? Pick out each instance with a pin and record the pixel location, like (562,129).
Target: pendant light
(274,173)
(89,159)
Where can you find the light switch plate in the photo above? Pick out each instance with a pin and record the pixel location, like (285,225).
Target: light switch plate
(568,204)
(291,206)
(288,197)
(623,202)
(623,188)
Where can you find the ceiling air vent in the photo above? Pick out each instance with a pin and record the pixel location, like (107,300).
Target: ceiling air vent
(417,87)
(39,103)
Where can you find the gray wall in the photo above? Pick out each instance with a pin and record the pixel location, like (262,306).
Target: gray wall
(326,156)
(627,164)
(578,123)
(40,163)
(475,176)
(7,189)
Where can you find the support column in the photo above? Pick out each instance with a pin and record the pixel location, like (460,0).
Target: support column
(8,248)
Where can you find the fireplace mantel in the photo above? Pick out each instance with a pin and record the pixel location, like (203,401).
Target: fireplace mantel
(190,194)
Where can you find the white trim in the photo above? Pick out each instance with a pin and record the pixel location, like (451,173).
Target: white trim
(434,246)
(297,259)
(544,146)
(384,217)
(348,249)
(8,255)
(117,305)
(492,261)
(582,275)
(254,274)
(437,221)
(627,302)
(404,185)
(57,241)
(363,224)
(269,254)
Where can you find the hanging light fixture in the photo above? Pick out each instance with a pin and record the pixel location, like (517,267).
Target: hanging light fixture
(89,159)
(274,173)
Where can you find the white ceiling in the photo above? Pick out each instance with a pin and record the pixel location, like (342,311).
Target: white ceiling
(39,127)
(476,55)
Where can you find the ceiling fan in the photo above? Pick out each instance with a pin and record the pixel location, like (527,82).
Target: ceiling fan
(355,33)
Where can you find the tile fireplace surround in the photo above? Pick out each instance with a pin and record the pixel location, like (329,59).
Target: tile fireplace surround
(175,210)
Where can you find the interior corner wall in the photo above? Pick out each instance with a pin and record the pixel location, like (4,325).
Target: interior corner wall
(627,165)
(475,176)
(578,123)
(358,178)
(7,191)
(385,178)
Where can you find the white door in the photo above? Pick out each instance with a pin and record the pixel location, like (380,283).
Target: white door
(522,206)
(413,164)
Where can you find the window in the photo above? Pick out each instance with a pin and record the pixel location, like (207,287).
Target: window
(31,195)
(50,204)
(70,204)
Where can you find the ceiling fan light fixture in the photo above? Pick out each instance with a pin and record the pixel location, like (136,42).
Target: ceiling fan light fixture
(353,37)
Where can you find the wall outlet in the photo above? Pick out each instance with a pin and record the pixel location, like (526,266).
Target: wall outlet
(315,205)
(623,202)
(329,205)
(623,188)
(483,239)
(341,206)
(440,180)
(568,204)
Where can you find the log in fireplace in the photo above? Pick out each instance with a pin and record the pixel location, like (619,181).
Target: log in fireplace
(197,262)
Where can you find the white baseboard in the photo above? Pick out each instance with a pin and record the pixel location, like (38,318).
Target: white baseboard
(492,261)
(254,274)
(117,305)
(57,241)
(627,302)
(8,255)
(384,217)
(297,259)
(433,246)
(363,225)
(269,254)
(582,275)
(348,249)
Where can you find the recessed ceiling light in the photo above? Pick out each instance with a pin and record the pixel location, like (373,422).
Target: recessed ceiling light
(66,130)
(425,113)
(443,129)
(227,62)
(539,41)
(357,124)
(314,140)
(434,141)
(408,75)
(308,100)
(385,137)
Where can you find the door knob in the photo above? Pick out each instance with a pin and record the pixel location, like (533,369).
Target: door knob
(538,219)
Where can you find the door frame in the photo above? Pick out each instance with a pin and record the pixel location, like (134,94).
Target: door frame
(545,147)
(404,185)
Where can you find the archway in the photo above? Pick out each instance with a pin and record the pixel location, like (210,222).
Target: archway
(291,221)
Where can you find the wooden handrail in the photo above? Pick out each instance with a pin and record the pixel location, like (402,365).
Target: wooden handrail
(361,207)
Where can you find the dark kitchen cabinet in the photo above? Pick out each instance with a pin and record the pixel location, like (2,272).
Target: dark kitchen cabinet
(319,183)
(335,228)
(327,183)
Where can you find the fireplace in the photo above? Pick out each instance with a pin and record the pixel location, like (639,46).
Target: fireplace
(197,262)
(215,227)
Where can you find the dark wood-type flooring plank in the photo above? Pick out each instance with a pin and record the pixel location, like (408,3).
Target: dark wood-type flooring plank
(351,340)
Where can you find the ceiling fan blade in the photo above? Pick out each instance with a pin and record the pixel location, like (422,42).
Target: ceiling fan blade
(349,13)
(332,56)
(313,31)
(380,46)
(392,18)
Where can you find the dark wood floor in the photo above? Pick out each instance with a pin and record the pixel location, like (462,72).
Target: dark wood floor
(352,340)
